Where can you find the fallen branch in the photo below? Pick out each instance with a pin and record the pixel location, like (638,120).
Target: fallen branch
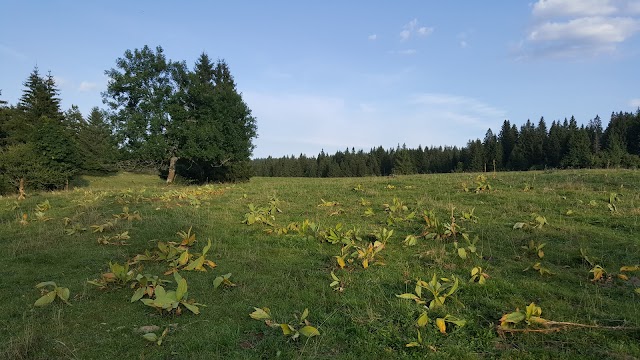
(554,326)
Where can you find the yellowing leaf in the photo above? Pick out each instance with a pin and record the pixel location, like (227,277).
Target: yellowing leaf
(423,319)
(184,258)
(630,268)
(442,326)
(412,344)
(309,331)
(340,261)
(408,296)
(286,329)
(260,314)
(512,318)
(365,263)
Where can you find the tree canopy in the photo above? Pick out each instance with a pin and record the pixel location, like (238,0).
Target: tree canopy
(191,123)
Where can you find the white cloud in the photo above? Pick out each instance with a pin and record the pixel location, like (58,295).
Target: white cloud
(411,28)
(86,86)
(463,44)
(60,81)
(579,28)
(290,124)
(12,52)
(588,29)
(634,103)
(460,109)
(407,52)
(405,35)
(373,37)
(425,31)
(572,8)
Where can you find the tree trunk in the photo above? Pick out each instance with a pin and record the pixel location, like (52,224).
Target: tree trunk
(22,195)
(172,169)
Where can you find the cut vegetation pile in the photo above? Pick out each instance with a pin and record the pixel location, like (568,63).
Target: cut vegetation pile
(524,265)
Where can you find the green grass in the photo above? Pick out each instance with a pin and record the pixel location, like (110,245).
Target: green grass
(289,273)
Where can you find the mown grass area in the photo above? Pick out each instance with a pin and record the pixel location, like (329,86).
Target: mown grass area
(292,272)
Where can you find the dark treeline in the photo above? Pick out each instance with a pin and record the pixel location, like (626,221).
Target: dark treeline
(562,145)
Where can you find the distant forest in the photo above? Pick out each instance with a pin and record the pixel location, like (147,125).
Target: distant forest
(563,145)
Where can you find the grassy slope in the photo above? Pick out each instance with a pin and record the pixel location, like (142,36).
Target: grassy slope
(289,273)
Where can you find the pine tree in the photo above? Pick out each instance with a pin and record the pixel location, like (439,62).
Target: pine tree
(97,144)
(44,153)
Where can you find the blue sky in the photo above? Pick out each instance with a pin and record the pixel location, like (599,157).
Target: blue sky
(336,74)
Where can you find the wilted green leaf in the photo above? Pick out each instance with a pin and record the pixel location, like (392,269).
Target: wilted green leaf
(138,294)
(46,299)
(423,319)
(191,307)
(408,296)
(152,337)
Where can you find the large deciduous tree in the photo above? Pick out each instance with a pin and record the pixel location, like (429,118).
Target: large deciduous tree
(138,94)
(190,123)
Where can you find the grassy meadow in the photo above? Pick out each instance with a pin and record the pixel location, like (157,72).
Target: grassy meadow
(585,218)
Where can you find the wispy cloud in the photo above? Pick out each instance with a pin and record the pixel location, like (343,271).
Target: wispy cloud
(459,109)
(373,37)
(572,28)
(290,124)
(425,31)
(573,8)
(86,86)
(634,103)
(404,52)
(462,39)
(412,28)
(8,51)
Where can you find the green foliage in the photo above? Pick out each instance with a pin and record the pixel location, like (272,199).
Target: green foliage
(49,295)
(439,289)
(336,284)
(531,316)
(145,286)
(537,222)
(539,268)
(478,276)
(470,249)
(126,215)
(397,212)
(301,326)
(223,280)
(534,249)
(262,215)
(163,111)
(152,337)
(119,276)
(614,198)
(172,301)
